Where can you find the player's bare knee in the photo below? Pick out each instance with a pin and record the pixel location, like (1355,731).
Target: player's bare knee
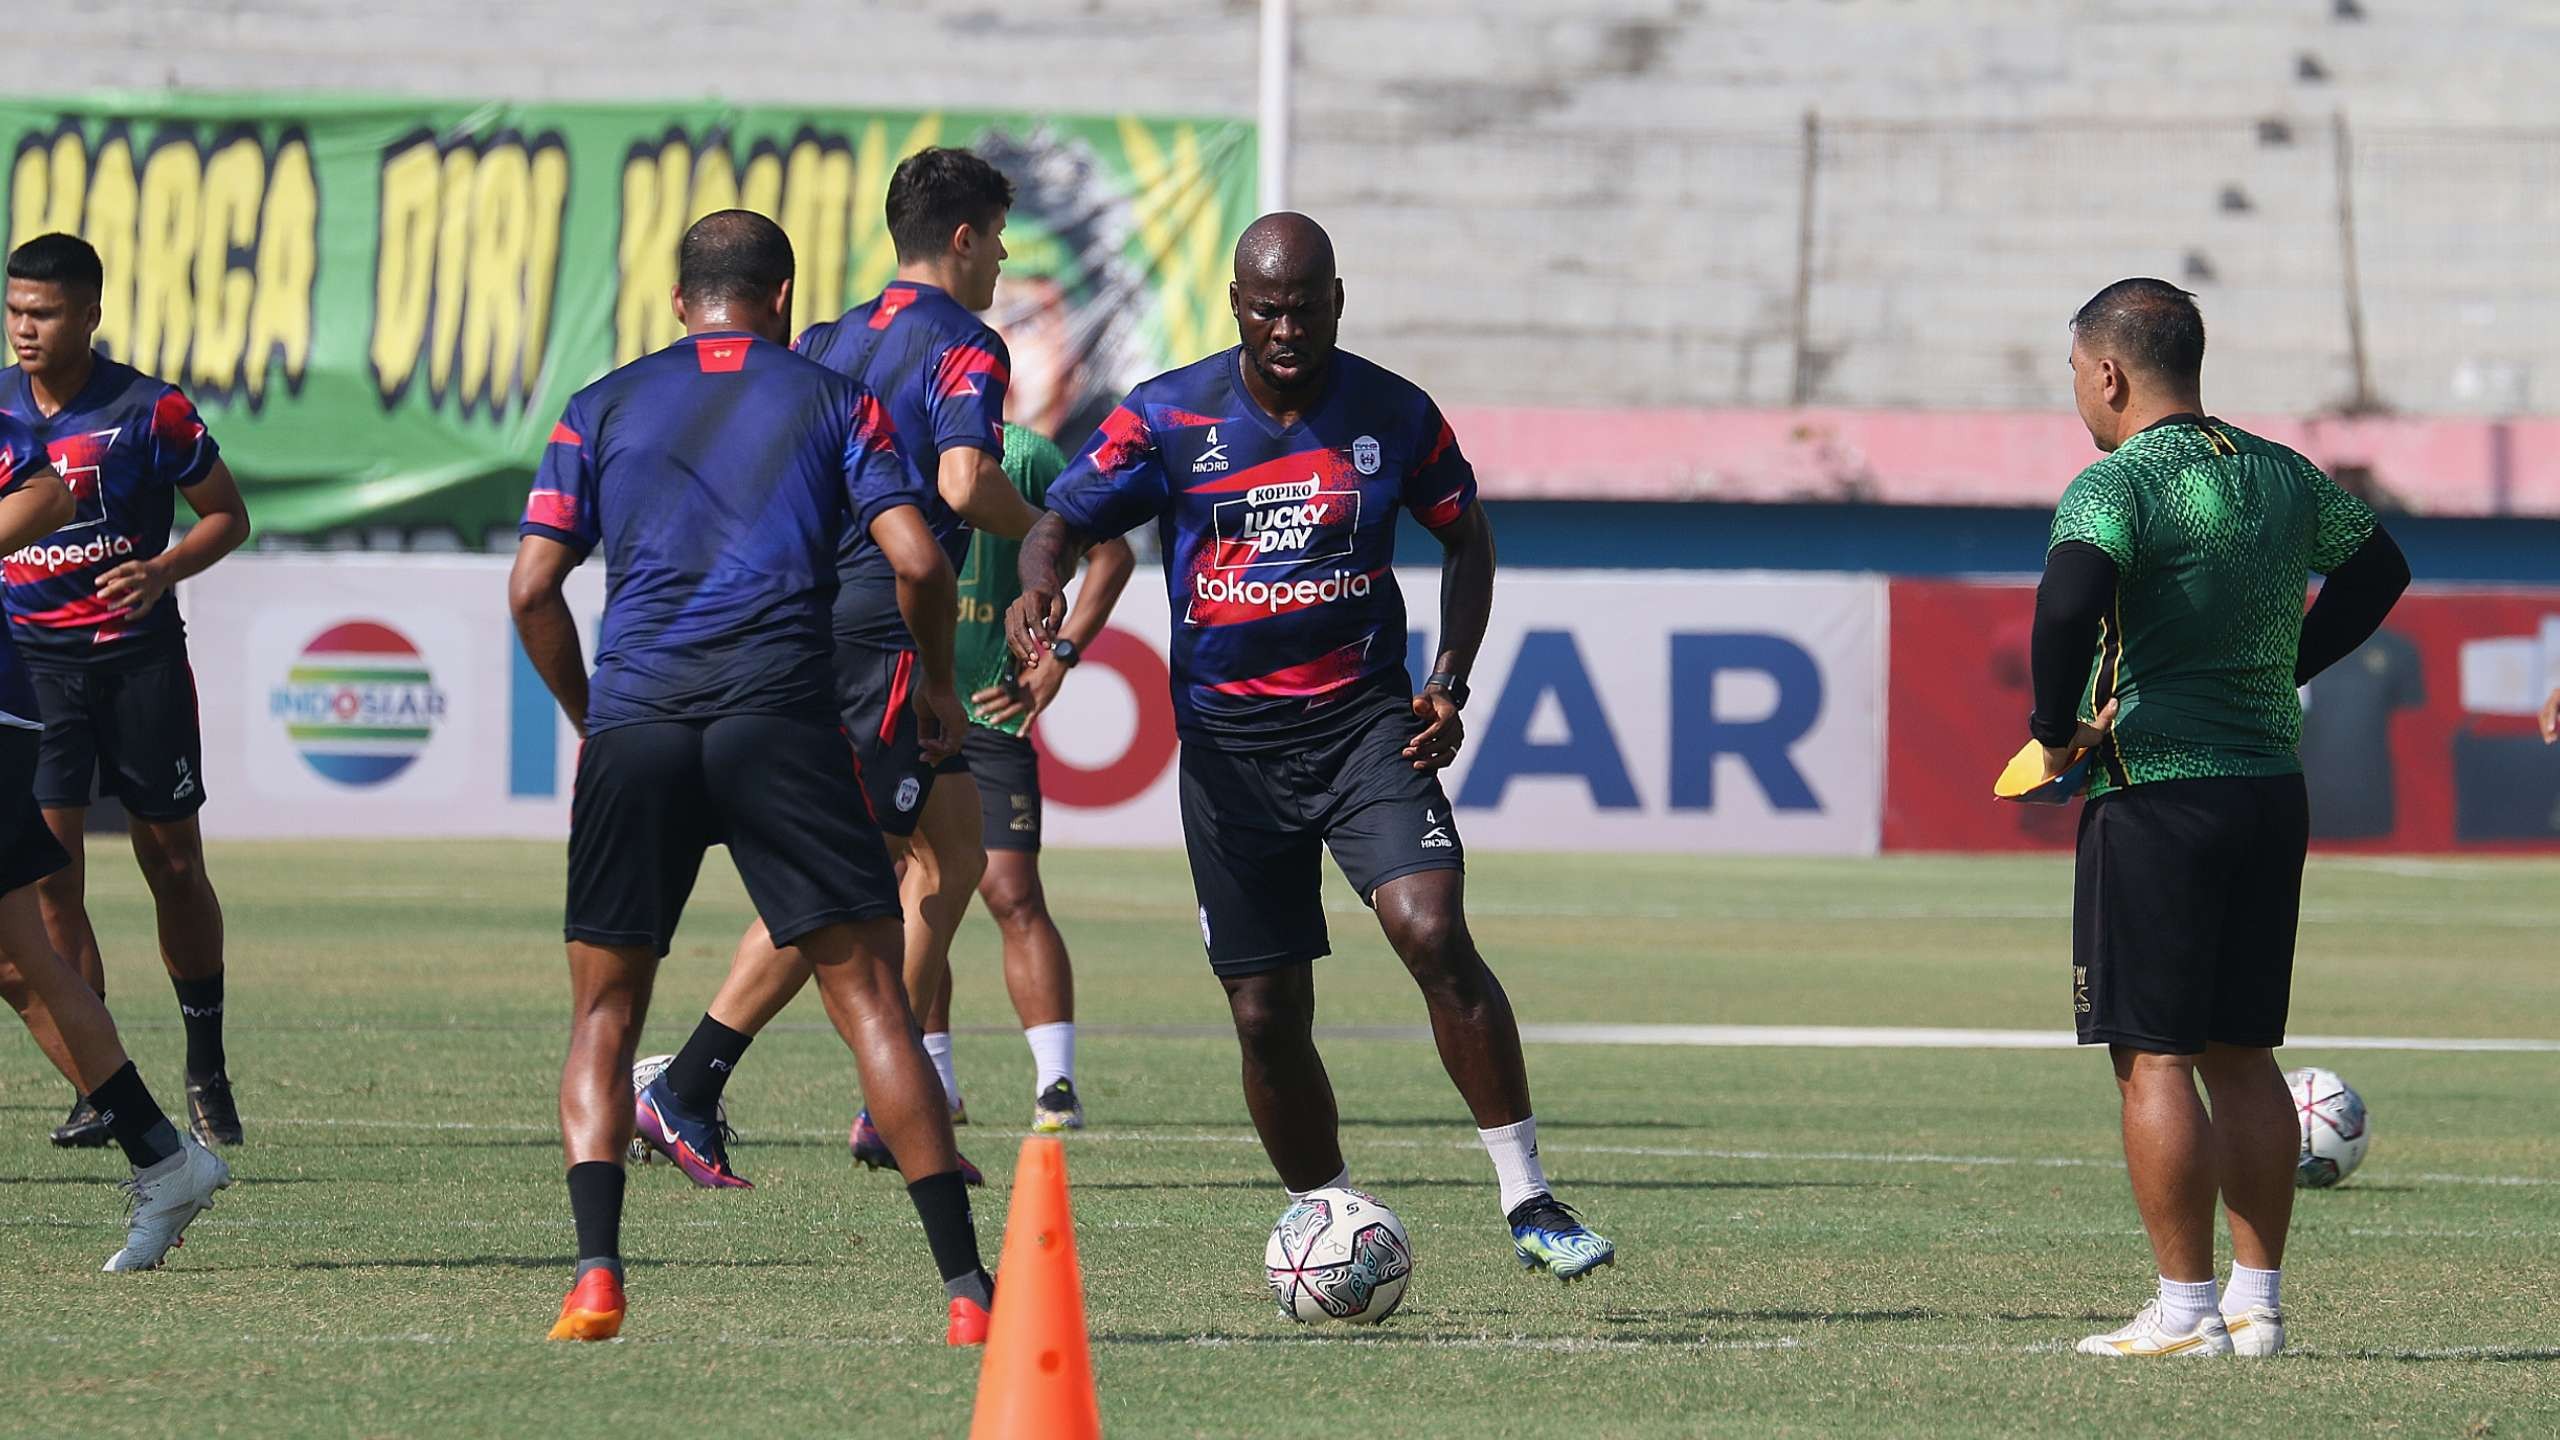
(1269,1016)
(172,871)
(1013,901)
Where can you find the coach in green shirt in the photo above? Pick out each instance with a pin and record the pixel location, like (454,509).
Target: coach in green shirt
(1002,706)
(2169,645)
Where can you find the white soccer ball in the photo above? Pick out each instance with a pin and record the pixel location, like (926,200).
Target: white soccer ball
(1338,1255)
(645,1073)
(2335,1129)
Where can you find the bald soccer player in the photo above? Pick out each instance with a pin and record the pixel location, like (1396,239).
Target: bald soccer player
(1273,473)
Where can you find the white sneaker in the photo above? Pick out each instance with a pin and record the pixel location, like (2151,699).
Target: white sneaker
(2145,1339)
(165,1198)
(2256,1331)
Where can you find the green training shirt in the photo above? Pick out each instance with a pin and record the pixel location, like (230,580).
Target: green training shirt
(2214,533)
(990,581)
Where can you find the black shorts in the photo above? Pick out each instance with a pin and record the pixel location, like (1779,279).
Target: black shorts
(1007,770)
(1256,824)
(875,692)
(130,732)
(2183,918)
(779,792)
(28,851)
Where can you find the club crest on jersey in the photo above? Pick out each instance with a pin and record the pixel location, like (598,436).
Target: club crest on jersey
(1213,457)
(1364,454)
(910,790)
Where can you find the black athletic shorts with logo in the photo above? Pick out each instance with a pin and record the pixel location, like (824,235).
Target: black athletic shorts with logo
(124,730)
(779,792)
(1257,824)
(876,691)
(2184,914)
(28,851)
(1007,770)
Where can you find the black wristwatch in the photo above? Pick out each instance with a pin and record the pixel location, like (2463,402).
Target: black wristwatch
(1065,651)
(1453,686)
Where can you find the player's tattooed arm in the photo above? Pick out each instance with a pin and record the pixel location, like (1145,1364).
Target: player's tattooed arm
(544,624)
(1047,552)
(34,508)
(1466,607)
(929,600)
(222,522)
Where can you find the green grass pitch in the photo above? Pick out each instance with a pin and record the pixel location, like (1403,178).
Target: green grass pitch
(1814,1242)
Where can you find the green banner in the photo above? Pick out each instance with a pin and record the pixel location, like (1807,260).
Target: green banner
(381,306)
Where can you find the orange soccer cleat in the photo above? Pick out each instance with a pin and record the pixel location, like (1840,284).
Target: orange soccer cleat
(593,1310)
(969,1323)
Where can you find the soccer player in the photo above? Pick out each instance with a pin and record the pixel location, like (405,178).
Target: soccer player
(1273,473)
(1003,701)
(91,609)
(720,475)
(2169,643)
(920,346)
(174,1176)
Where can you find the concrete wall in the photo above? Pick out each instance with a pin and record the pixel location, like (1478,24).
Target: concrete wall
(1599,203)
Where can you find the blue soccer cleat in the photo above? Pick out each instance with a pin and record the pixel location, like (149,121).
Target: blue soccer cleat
(1548,1236)
(699,1146)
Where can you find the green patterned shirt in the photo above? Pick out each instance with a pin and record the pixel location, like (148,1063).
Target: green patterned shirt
(991,579)
(2214,533)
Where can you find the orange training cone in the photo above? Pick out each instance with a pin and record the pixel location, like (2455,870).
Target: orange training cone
(1037,1380)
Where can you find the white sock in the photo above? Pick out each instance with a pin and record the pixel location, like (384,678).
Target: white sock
(1514,1149)
(2183,1306)
(937,1048)
(1053,1051)
(2251,1288)
(1338,1182)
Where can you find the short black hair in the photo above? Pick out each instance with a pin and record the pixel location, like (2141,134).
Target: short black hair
(936,191)
(734,255)
(2151,325)
(59,259)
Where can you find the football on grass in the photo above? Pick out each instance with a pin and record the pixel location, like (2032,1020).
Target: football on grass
(2335,1128)
(1338,1255)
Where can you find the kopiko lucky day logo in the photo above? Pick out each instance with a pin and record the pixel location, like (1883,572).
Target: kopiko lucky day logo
(358,703)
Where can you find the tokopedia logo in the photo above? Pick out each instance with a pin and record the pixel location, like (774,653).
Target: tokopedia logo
(358,703)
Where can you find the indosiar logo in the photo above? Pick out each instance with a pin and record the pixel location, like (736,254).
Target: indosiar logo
(359,703)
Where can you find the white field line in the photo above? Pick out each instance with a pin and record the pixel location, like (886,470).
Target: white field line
(1548,1143)
(1899,1037)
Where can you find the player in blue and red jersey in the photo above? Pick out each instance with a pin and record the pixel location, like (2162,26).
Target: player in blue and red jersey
(1273,474)
(90,608)
(174,1176)
(921,347)
(720,476)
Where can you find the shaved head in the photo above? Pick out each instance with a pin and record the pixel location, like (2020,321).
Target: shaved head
(1288,306)
(1285,247)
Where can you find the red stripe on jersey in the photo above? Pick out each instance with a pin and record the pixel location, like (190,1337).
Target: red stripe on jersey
(873,429)
(86,611)
(174,419)
(963,364)
(899,681)
(1442,513)
(1318,464)
(1440,444)
(720,357)
(561,434)
(1185,417)
(1320,676)
(892,300)
(1123,436)
(552,508)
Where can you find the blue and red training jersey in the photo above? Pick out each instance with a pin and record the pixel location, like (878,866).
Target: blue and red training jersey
(720,475)
(1278,541)
(126,445)
(942,372)
(21,455)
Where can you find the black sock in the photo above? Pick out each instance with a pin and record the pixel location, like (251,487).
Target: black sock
(703,1067)
(200,1007)
(595,1199)
(136,1120)
(942,1203)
